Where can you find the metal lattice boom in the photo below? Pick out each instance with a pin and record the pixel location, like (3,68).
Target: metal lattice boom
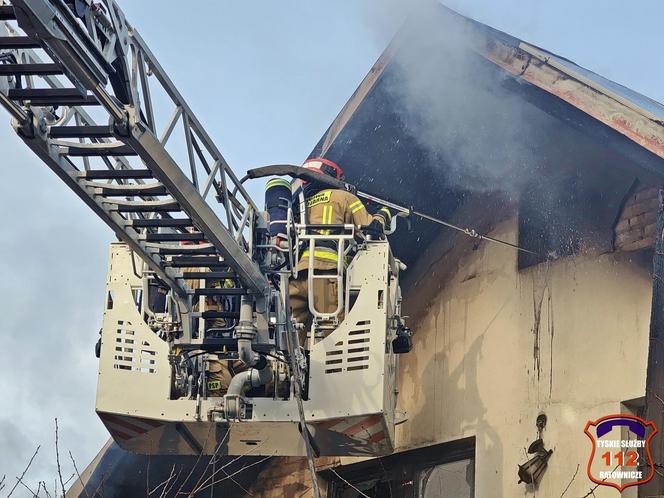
(79,81)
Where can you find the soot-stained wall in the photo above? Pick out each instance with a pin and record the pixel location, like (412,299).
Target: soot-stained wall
(494,346)
(388,147)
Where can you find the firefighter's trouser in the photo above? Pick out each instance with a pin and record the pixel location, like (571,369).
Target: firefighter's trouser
(325,298)
(211,303)
(220,373)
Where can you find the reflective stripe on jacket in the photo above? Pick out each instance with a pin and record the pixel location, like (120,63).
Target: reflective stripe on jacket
(334,207)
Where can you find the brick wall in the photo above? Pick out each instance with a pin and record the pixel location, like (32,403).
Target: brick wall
(636,226)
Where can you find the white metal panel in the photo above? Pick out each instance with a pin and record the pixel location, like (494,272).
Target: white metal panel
(351,390)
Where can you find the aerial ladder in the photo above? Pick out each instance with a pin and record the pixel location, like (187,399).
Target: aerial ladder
(91,100)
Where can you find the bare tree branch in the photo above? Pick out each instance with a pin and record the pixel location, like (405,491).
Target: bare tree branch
(57,457)
(28,488)
(211,462)
(658,397)
(48,495)
(167,490)
(200,455)
(344,480)
(19,479)
(101,485)
(147,476)
(163,483)
(214,473)
(246,491)
(571,481)
(591,492)
(78,474)
(229,476)
(69,479)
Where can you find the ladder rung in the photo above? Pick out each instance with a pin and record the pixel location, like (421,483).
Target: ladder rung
(52,96)
(146,207)
(186,250)
(174,237)
(99,149)
(80,131)
(30,69)
(220,292)
(212,344)
(197,275)
(162,222)
(116,174)
(15,42)
(130,190)
(207,315)
(194,261)
(7,13)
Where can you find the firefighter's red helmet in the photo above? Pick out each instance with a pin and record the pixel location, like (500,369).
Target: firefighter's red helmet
(325,166)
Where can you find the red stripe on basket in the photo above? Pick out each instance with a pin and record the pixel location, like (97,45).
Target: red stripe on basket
(363,424)
(147,421)
(117,434)
(328,424)
(379,436)
(124,423)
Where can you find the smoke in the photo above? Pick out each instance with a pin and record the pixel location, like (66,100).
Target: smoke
(383,18)
(482,130)
(474,132)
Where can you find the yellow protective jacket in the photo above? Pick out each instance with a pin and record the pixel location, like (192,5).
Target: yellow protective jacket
(335,207)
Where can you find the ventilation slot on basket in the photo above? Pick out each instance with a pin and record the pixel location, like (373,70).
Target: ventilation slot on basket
(354,356)
(130,355)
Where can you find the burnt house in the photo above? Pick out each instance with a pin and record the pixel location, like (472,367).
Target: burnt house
(487,131)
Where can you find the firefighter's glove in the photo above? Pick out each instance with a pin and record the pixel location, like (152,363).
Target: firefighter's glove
(375,230)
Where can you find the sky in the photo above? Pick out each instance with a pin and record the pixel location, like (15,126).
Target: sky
(266,79)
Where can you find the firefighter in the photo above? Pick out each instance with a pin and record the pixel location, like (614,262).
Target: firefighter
(220,372)
(328,206)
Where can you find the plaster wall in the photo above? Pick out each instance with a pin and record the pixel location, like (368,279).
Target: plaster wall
(494,346)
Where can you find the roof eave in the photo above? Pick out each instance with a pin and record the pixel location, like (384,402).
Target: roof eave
(536,67)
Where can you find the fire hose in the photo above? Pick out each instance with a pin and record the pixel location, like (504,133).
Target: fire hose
(311,175)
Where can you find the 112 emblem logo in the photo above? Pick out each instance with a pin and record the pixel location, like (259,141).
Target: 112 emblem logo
(620,455)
